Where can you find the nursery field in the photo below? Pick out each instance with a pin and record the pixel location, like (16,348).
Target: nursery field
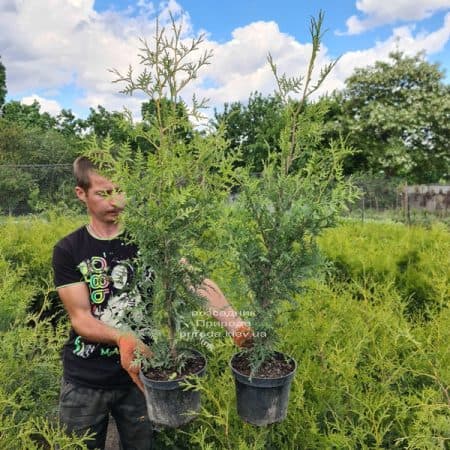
(370,335)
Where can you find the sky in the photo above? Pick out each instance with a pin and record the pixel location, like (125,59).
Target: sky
(60,52)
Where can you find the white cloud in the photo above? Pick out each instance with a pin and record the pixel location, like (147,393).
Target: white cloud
(402,38)
(240,66)
(50,106)
(68,43)
(378,13)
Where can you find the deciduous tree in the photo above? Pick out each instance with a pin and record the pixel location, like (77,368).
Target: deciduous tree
(30,116)
(103,123)
(253,128)
(396,114)
(32,159)
(69,125)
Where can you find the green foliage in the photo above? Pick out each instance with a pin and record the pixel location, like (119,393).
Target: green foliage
(173,193)
(15,293)
(30,375)
(279,213)
(413,261)
(368,375)
(69,125)
(15,186)
(31,336)
(30,378)
(184,130)
(395,114)
(364,372)
(35,166)
(103,123)
(252,129)
(366,378)
(29,116)
(167,71)
(25,249)
(29,242)
(37,434)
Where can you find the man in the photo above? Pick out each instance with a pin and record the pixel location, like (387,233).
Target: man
(92,271)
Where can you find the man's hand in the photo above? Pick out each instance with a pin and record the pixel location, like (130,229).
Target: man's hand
(129,345)
(243,336)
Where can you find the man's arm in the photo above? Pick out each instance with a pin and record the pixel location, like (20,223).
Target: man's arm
(75,298)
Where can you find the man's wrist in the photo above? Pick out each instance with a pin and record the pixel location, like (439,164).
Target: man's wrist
(120,334)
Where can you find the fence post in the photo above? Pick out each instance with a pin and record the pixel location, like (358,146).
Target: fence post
(363,207)
(406,208)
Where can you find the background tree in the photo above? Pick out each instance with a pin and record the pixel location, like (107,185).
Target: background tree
(15,185)
(103,123)
(2,84)
(396,115)
(70,125)
(35,166)
(253,128)
(30,116)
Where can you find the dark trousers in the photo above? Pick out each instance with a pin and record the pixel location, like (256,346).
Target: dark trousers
(84,409)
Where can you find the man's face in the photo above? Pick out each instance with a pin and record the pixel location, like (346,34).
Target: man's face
(103,200)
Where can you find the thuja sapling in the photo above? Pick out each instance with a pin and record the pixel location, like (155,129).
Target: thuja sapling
(278,215)
(173,192)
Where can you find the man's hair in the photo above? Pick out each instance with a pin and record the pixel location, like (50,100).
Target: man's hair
(82,168)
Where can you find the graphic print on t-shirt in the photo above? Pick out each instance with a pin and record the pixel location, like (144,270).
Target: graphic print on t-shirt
(95,274)
(110,294)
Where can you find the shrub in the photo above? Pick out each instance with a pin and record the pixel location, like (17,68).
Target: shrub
(29,385)
(29,241)
(414,260)
(26,246)
(279,214)
(173,193)
(367,378)
(15,294)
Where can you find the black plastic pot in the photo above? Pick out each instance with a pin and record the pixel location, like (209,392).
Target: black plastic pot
(262,401)
(168,404)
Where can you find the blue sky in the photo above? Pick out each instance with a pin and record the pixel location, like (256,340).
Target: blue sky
(59,51)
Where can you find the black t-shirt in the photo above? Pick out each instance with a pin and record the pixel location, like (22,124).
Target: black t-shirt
(106,266)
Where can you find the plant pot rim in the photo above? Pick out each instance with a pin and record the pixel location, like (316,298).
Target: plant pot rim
(173,384)
(261,381)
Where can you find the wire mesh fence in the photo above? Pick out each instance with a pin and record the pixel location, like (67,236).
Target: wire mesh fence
(31,188)
(392,197)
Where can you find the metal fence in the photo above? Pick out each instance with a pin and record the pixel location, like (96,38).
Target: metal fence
(29,188)
(381,196)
